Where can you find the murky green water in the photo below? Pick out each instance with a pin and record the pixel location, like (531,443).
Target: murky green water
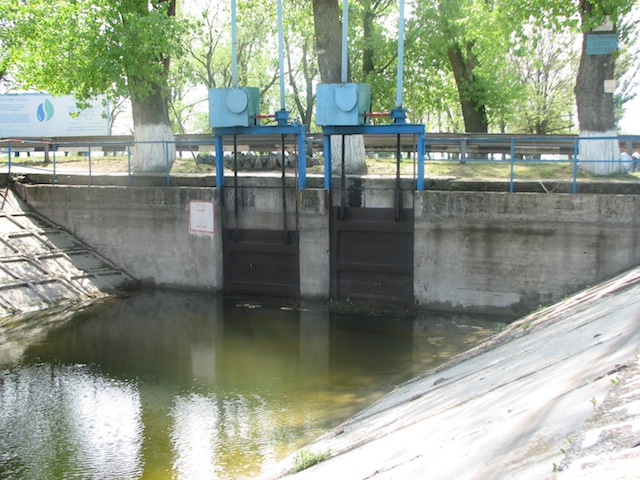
(186,386)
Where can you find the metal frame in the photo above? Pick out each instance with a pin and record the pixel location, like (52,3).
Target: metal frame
(393,128)
(293,129)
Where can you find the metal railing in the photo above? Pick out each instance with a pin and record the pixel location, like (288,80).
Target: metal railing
(507,153)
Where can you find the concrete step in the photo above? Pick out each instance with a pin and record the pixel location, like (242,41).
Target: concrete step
(42,265)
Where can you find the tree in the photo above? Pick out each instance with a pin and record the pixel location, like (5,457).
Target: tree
(91,47)
(547,73)
(328,30)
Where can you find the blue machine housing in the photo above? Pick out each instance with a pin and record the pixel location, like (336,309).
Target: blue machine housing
(233,107)
(342,104)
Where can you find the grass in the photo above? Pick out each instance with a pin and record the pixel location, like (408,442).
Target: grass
(306,458)
(471,169)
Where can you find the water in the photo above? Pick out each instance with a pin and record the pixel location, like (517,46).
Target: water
(184,386)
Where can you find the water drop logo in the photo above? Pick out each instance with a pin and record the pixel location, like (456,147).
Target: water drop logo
(45,111)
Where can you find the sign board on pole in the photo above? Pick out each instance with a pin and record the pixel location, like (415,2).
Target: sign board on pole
(44,115)
(601,43)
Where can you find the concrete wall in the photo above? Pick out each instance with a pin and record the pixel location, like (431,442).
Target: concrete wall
(482,251)
(144,230)
(516,251)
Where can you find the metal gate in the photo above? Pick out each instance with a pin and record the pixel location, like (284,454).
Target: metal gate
(372,254)
(261,262)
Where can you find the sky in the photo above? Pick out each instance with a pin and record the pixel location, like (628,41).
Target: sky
(630,123)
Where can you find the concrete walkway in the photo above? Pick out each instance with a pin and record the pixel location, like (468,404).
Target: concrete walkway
(555,395)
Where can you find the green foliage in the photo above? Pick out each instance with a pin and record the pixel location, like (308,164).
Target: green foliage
(306,458)
(90,47)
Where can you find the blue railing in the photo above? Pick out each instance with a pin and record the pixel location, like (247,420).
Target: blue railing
(509,151)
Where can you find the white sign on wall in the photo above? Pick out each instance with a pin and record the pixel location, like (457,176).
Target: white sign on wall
(201,218)
(43,115)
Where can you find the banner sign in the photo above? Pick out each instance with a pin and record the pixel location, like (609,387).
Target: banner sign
(602,43)
(44,115)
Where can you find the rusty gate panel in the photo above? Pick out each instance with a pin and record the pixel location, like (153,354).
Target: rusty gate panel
(372,254)
(261,262)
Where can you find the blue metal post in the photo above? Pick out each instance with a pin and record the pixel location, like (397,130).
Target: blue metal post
(575,165)
(421,149)
(302,160)
(400,55)
(90,177)
(281,54)
(345,46)
(234,45)
(513,156)
(55,147)
(9,162)
(327,162)
(167,165)
(129,164)
(219,161)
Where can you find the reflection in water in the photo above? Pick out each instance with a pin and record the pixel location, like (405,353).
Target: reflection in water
(188,386)
(65,421)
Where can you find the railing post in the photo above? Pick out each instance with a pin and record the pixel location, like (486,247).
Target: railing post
(166,158)
(90,177)
(9,160)
(575,165)
(513,157)
(55,148)
(129,164)
(421,150)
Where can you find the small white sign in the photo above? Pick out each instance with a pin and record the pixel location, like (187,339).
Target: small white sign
(610,86)
(201,218)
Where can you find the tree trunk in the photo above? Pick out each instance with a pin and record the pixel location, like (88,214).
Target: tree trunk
(326,19)
(474,111)
(154,143)
(595,111)
(328,27)
(155,150)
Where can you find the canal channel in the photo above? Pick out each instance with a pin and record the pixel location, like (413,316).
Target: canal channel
(163,385)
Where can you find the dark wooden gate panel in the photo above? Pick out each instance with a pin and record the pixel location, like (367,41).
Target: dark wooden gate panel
(371,254)
(261,262)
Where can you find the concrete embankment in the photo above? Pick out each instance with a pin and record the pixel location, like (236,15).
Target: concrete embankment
(43,266)
(554,395)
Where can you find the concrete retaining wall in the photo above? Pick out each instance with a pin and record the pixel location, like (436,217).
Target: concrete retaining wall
(482,251)
(144,230)
(516,251)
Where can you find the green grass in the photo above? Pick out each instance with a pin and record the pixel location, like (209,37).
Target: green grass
(472,169)
(306,458)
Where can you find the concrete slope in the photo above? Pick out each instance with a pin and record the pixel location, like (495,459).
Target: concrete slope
(509,409)
(42,265)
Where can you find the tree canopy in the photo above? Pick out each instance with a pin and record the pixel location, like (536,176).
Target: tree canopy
(470,65)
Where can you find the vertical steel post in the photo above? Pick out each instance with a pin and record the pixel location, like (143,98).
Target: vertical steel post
(400,55)
(345,34)
(281,54)
(90,177)
(421,149)
(302,160)
(234,45)
(167,165)
(219,162)
(9,159)
(575,165)
(55,147)
(327,162)
(513,159)
(129,164)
